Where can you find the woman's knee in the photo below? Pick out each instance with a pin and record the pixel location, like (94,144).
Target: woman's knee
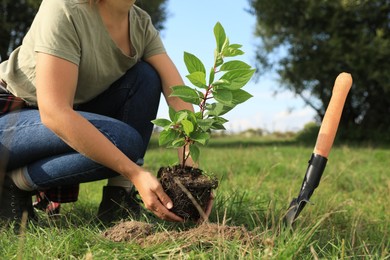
(127,139)
(123,136)
(148,74)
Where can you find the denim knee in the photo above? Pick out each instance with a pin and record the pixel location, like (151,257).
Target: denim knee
(146,71)
(123,136)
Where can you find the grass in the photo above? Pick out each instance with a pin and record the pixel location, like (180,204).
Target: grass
(258,178)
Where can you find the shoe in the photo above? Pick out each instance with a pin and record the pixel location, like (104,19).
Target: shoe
(43,203)
(14,201)
(117,204)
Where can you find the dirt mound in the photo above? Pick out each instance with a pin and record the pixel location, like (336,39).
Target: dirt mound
(145,234)
(129,231)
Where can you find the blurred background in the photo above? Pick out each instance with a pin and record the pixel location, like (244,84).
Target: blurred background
(298,48)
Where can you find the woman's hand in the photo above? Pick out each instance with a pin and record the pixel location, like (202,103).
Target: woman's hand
(154,197)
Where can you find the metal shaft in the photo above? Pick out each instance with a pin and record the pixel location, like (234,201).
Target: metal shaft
(312,178)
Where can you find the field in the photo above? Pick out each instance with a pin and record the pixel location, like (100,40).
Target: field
(349,217)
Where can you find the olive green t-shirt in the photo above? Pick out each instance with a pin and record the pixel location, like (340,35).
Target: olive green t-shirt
(73,30)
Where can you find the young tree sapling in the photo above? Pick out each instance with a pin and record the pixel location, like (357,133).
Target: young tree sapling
(214,98)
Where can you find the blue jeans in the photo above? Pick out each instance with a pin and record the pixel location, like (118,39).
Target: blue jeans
(123,113)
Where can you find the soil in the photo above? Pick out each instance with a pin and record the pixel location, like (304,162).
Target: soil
(189,189)
(145,234)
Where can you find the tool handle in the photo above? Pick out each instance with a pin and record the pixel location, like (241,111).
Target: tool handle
(332,116)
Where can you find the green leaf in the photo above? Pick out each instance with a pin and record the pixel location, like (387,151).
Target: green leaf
(240,96)
(238,78)
(220,83)
(218,59)
(181,115)
(172,113)
(194,152)
(192,117)
(162,122)
(188,127)
(219,123)
(232,50)
(200,137)
(198,115)
(218,126)
(211,76)
(215,109)
(234,65)
(193,64)
(220,120)
(235,46)
(220,36)
(198,79)
(225,45)
(223,96)
(218,109)
(205,124)
(178,143)
(186,93)
(167,137)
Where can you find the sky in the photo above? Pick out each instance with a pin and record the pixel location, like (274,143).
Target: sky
(189,28)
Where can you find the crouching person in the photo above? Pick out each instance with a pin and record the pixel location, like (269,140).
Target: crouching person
(88,77)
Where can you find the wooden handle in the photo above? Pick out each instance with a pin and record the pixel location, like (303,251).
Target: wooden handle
(331,120)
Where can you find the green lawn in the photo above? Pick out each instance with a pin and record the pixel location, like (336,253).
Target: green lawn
(349,217)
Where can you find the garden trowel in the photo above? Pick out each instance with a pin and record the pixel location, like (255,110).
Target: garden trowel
(322,148)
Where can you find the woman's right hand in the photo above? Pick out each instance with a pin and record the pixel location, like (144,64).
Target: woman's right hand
(154,197)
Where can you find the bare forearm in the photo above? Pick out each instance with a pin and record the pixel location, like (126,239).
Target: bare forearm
(85,138)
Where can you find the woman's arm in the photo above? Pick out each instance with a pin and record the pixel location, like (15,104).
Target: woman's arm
(56,81)
(170,76)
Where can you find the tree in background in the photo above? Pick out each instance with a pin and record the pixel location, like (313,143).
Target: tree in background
(310,42)
(157,9)
(16,17)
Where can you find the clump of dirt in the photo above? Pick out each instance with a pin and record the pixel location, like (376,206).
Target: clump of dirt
(128,231)
(206,234)
(189,189)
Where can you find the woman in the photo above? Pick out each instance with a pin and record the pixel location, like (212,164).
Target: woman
(95,70)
